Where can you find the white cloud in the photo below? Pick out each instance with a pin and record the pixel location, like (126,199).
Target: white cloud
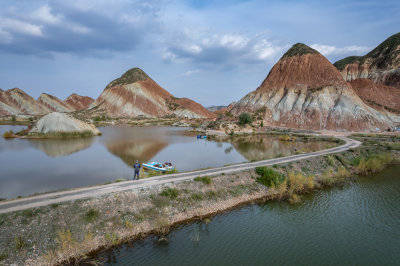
(190,72)
(12,25)
(221,49)
(44,14)
(266,50)
(328,50)
(233,41)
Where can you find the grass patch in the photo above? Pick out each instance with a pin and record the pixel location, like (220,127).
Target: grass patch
(8,134)
(330,160)
(206,180)
(197,196)
(299,183)
(269,177)
(112,239)
(286,138)
(171,193)
(373,164)
(3,256)
(91,215)
(19,243)
(55,205)
(160,201)
(82,134)
(3,218)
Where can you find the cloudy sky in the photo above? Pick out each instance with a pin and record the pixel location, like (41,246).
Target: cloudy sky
(213,52)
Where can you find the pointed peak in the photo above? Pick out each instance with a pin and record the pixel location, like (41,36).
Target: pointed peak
(17,90)
(131,76)
(299,49)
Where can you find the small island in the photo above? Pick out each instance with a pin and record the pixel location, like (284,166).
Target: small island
(56,125)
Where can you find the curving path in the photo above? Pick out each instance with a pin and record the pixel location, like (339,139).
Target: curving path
(81,193)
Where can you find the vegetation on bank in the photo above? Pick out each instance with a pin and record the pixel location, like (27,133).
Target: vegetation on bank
(73,229)
(24,133)
(245,118)
(204,179)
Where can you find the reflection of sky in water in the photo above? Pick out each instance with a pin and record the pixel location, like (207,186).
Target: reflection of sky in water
(32,166)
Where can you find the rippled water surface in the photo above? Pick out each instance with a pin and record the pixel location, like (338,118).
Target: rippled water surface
(355,225)
(34,166)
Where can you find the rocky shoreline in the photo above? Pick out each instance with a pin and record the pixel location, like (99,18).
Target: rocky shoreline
(74,230)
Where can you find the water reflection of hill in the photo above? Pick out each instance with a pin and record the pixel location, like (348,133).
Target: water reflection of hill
(136,143)
(130,151)
(266,147)
(61,147)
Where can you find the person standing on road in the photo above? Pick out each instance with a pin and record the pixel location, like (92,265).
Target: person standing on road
(136,166)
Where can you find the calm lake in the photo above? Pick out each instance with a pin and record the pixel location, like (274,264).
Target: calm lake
(358,224)
(40,165)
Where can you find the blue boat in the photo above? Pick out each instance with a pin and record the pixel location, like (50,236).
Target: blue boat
(160,167)
(201,136)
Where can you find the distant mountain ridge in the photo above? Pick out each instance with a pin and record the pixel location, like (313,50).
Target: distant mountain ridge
(214,108)
(131,95)
(17,102)
(304,90)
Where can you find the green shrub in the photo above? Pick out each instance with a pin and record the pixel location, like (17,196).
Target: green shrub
(197,196)
(213,125)
(205,179)
(172,193)
(330,160)
(269,177)
(374,164)
(100,118)
(245,118)
(19,243)
(8,134)
(3,256)
(91,215)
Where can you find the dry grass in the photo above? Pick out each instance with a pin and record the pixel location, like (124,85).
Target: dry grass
(374,164)
(8,134)
(206,180)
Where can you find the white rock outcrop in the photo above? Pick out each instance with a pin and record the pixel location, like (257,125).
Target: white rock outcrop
(60,122)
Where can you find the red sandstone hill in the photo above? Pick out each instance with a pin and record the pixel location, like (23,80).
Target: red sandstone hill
(135,94)
(381,65)
(304,90)
(78,102)
(49,103)
(17,102)
(377,95)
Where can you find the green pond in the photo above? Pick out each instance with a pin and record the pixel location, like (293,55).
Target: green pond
(358,224)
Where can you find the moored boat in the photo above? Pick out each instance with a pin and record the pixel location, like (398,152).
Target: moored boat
(201,136)
(161,167)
